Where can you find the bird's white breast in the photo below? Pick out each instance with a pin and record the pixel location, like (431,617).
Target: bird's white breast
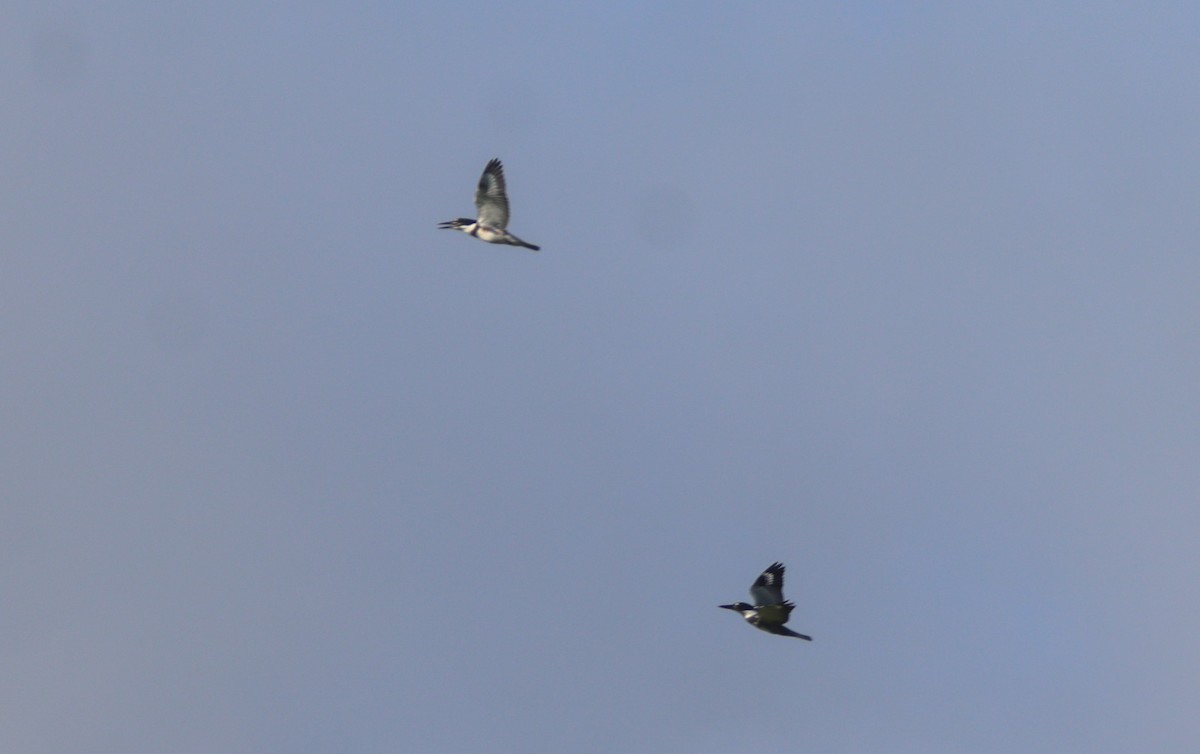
(491,235)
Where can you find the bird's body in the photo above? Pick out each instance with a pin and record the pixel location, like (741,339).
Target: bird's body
(491,205)
(770,610)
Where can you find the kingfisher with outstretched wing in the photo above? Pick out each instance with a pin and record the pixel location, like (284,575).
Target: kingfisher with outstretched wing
(770,610)
(491,205)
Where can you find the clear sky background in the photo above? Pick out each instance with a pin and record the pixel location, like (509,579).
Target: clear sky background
(904,295)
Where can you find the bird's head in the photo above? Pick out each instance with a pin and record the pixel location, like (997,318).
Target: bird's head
(461,222)
(739,607)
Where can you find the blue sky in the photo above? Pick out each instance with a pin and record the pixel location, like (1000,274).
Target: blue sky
(904,296)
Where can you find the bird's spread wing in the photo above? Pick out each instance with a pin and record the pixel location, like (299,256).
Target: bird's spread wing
(768,587)
(490,199)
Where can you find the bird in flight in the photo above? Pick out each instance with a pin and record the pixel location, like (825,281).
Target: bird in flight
(491,204)
(770,610)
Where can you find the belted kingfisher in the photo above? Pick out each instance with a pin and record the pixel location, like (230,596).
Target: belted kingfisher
(769,611)
(491,203)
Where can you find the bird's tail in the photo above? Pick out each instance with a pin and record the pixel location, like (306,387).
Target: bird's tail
(790,632)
